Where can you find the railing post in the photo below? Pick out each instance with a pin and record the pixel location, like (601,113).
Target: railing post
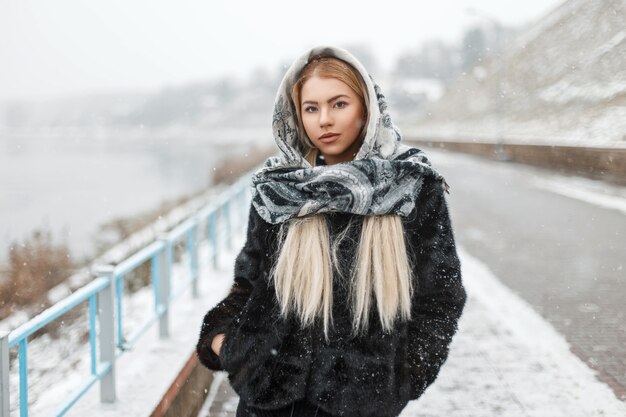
(241,204)
(192,243)
(226,211)
(212,232)
(235,200)
(106,321)
(163,295)
(4,373)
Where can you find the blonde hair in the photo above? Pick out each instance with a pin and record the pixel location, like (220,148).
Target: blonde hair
(303,272)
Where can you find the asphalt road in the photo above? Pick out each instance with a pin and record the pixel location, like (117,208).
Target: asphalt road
(558,242)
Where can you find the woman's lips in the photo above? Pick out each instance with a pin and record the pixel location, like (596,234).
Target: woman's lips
(329,139)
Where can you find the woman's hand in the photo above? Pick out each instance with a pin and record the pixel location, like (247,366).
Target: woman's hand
(216,343)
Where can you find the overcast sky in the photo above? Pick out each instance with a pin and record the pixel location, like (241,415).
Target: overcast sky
(67,47)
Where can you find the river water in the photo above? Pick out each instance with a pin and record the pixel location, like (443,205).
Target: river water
(70,184)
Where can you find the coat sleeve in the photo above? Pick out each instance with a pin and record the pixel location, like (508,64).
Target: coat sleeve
(246,270)
(439,297)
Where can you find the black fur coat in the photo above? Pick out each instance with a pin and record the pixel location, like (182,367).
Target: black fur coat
(272,362)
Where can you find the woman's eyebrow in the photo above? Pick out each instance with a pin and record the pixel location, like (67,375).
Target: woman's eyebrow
(329,100)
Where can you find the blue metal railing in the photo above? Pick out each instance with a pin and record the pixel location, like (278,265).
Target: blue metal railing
(105,297)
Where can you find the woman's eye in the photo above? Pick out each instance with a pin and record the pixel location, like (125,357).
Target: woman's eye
(306,109)
(343,104)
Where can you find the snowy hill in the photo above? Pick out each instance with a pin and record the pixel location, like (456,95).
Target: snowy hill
(562,80)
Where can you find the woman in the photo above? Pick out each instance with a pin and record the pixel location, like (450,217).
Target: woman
(348,290)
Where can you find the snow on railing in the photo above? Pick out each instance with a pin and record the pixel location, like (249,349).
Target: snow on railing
(105,297)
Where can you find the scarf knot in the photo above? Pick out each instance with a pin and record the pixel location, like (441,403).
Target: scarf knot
(369,187)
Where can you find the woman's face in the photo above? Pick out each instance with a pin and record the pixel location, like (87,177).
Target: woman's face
(330,106)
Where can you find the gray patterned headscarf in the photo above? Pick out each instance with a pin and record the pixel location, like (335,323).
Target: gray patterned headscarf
(384,177)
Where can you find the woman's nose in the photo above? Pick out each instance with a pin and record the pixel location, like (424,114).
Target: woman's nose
(325,118)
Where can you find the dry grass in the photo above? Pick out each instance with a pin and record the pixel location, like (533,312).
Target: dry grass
(230,170)
(35,265)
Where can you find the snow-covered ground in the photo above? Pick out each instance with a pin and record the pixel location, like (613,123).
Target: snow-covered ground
(508,361)
(594,192)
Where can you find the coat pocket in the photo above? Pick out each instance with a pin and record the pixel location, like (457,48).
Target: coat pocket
(249,336)
(371,367)
(230,330)
(266,358)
